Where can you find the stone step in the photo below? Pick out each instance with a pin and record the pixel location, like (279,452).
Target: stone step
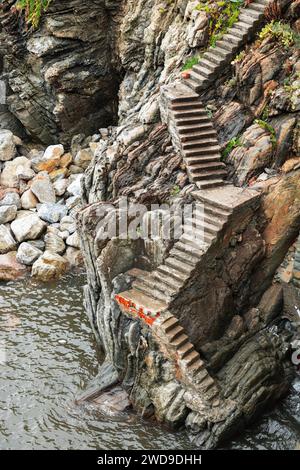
(216,59)
(195,81)
(201,150)
(151,283)
(180,341)
(239,34)
(169,281)
(195,128)
(242,27)
(185,350)
(202,71)
(197,166)
(169,324)
(174,273)
(188,107)
(193,249)
(207,174)
(258,6)
(229,46)
(187,121)
(184,99)
(209,184)
(219,52)
(252,12)
(249,19)
(208,214)
(207,134)
(202,227)
(191,358)
(232,36)
(139,300)
(146,289)
(188,113)
(208,64)
(197,134)
(175,333)
(183,267)
(183,256)
(196,242)
(202,159)
(209,217)
(197,369)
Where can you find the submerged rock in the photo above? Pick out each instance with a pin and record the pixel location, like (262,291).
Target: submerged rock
(10,269)
(49,266)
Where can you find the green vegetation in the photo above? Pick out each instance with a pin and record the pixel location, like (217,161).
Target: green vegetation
(265,125)
(282,32)
(33,10)
(175,191)
(191,62)
(232,144)
(223,15)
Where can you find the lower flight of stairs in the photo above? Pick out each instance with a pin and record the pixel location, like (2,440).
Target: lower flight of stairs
(212,64)
(190,365)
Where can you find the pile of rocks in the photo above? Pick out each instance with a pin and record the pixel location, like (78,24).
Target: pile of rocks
(39,197)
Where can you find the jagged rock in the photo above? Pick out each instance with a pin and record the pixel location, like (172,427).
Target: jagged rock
(74,257)
(42,188)
(7,214)
(10,269)
(254,153)
(9,177)
(75,187)
(83,158)
(39,244)
(27,254)
(54,242)
(7,145)
(284,126)
(52,213)
(24,171)
(28,200)
(27,227)
(49,266)
(68,223)
(230,120)
(60,186)
(7,242)
(290,165)
(11,199)
(73,240)
(66,160)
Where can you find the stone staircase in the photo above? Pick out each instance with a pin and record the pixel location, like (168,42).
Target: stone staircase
(212,64)
(193,135)
(192,368)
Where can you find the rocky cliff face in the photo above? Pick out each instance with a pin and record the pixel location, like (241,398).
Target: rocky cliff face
(76,67)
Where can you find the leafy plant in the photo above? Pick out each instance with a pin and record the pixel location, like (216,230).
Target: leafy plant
(223,15)
(232,144)
(266,126)
(282,32)
(175,191)
(190,63)
(33,10)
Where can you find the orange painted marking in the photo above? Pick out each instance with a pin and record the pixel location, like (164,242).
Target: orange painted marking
(131,308)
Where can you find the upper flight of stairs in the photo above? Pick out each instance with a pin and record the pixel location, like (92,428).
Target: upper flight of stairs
(212,63)
(197,139)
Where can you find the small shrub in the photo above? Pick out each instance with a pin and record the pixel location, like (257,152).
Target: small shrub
(33,10)
(266,126)
(232,144)
(282,32)
(190,63)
